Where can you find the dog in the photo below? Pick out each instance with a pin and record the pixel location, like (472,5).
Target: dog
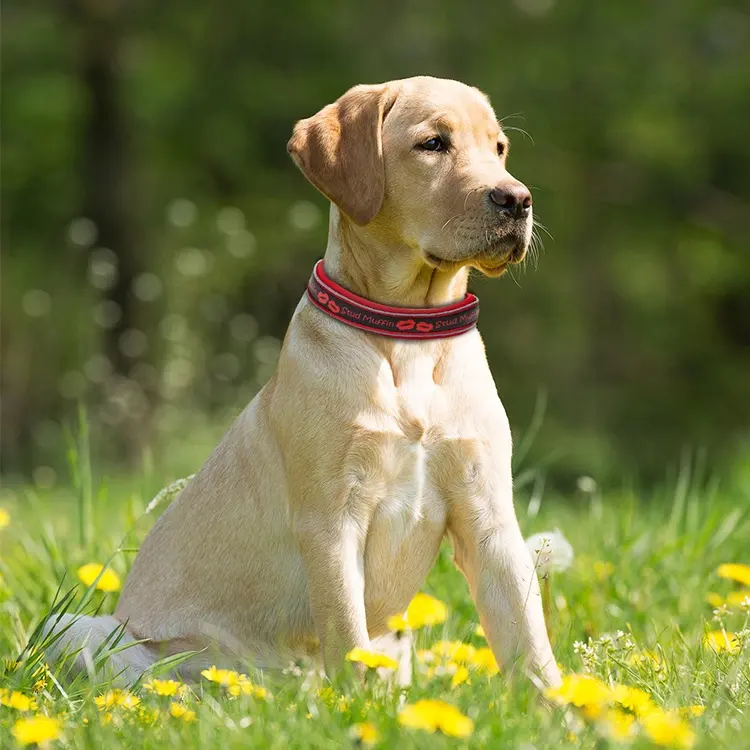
(322,510)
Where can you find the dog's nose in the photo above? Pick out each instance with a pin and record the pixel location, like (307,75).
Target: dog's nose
(513,198)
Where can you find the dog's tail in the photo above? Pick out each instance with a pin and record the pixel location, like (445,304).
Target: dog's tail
(99,646)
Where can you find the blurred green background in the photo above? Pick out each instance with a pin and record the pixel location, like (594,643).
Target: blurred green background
(156,236)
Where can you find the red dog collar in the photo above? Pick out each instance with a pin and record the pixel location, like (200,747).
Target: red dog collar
(395,322)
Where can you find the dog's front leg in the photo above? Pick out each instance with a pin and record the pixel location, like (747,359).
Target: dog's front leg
(491,552)
(332,553)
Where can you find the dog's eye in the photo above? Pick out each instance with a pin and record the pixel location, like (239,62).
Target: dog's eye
(501,149)
(433,144)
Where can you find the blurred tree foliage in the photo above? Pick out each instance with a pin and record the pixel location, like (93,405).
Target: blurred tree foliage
(156,237)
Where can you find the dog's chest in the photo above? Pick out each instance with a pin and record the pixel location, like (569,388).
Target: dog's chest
(395,450)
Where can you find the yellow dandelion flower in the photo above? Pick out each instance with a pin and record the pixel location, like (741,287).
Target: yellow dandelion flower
(456,651)
(454,723)
(635,700)
(14,699)
(582,691)
(116,699)
(129,701)
(423,610)
(720,640)
(618,725)
(603,570)
(431,715)
(484,660)
(181,711)
(426,610)
(4,518)
(735,572)
(36,730)
(371,659)
(223,677)
(365,733)
(733,600)
(244,686)
(422,715)
(40,676)
(235,683)
(260,692)
(692,711)
(165,688)
(148,715)
(105,702)
(668,729)
(460,676)
(397,623)
(592,711)
(479,631)
(109,581)
(334,701)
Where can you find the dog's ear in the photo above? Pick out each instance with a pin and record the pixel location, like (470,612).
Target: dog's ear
(340,150)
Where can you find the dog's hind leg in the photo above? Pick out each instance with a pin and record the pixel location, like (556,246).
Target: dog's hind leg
(75,641)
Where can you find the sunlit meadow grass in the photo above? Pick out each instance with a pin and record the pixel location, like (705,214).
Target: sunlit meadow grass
(633,610)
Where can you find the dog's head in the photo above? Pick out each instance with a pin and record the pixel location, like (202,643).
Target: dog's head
(421,161)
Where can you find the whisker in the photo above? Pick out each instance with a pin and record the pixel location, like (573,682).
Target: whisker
(452,218)
(538,248)
(522,131)
(531,253)
(541,226)
(469,194)
(515,281)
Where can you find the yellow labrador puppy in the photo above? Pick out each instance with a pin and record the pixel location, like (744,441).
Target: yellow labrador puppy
(321,512)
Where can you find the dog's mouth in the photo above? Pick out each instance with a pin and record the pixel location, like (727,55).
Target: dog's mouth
(493,261)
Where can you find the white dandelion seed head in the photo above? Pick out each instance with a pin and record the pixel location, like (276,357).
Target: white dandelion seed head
(551,551)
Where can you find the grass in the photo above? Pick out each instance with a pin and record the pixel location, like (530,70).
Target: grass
(630,610)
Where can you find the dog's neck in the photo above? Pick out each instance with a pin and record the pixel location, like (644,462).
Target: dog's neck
(385,270)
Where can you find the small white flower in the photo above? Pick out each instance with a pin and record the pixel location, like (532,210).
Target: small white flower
(587,485)
(551,551)
(588,653)
(720,613)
